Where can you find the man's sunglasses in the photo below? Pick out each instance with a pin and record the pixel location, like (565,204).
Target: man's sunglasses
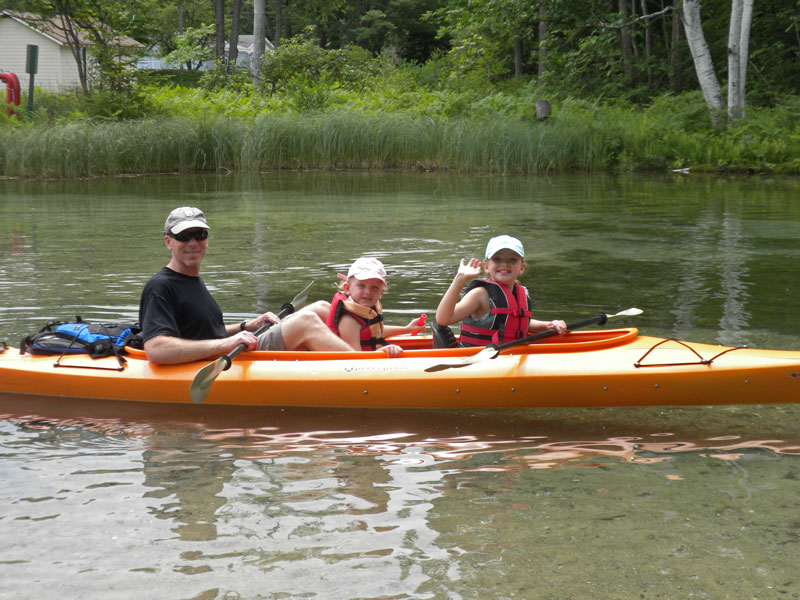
(185,236)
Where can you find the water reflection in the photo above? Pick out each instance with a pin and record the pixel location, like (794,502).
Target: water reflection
(188,480)
(548,436)
(714,262)
(368,504)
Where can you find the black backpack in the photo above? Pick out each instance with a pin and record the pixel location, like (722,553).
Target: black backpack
(79,337)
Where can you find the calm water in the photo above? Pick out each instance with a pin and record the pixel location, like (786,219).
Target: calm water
(204,503)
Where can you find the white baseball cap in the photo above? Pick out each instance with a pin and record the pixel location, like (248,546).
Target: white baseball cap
(367,268)
(183,218)
(504,242)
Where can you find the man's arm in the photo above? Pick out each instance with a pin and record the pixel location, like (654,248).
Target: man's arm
(167,350)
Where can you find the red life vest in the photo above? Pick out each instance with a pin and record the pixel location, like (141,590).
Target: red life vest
(371,334)
(508,318)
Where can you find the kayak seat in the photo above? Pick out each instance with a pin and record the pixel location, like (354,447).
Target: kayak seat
(443,336)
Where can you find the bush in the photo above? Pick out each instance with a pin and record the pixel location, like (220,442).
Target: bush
(300,63)
(124,105)
(236,80)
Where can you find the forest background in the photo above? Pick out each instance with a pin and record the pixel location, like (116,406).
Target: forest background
(501,86)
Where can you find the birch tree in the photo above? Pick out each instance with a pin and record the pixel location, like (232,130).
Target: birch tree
(706,75)
(738,51)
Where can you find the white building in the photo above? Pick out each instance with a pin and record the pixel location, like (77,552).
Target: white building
(245,49)
(57,68)
(244,56)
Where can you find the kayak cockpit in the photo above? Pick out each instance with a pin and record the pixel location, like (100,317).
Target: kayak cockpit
(422,347)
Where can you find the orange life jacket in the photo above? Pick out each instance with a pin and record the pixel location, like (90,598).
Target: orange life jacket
(370,319)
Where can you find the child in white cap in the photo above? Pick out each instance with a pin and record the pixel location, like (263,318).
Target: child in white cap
(494,309)
(356,312)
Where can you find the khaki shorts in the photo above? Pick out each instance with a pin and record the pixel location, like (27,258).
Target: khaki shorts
(271,339)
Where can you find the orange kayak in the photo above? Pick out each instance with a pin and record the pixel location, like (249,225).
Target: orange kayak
(615,367)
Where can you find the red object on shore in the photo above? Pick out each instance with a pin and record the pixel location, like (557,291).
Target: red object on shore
(12,91)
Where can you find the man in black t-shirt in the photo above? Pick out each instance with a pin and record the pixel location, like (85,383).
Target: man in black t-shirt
(181,321)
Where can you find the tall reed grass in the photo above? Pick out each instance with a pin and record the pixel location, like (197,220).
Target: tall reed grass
(335,140)
(581,136)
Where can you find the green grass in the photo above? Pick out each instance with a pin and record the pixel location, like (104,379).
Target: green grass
(398,127)
(336,140)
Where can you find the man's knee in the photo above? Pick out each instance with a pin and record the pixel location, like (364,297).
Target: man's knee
(303,330)
(320,304)
(307,320)
(321,308)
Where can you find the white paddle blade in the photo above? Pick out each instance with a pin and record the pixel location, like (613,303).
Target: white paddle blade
(483,354)
(631,312)
(203,380)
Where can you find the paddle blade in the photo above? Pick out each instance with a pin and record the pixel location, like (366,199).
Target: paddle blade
(301,298)
(204,378)
(486,353)
(631,312)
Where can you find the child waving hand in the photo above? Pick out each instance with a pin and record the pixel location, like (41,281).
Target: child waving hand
(494,309)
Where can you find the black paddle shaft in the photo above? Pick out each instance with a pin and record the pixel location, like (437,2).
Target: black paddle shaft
(599,318)
(286,310)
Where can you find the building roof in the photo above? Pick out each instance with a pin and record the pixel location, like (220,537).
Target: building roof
(246,42)
(53,29)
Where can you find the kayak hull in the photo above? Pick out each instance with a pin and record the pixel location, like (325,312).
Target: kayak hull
(582,369)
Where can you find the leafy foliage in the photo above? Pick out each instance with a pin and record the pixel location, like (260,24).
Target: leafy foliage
(130,104)
(301,64)
(220,78)
(192,47)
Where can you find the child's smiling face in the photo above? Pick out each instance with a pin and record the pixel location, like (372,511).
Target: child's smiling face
(505,266)
(366,292)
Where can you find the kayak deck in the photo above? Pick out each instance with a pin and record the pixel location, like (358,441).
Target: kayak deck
(584,368)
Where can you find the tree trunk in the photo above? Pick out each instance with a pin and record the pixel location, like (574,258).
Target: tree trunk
(734,80)
(259,31)
(276,38)
(738,49)
(676,71)
(543,33)
(701,55)
(627,44)
(67,27)
(647,46)
(744,46)
(517,58)
(188,63)
(219,19)
(233,45)
(631,19)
